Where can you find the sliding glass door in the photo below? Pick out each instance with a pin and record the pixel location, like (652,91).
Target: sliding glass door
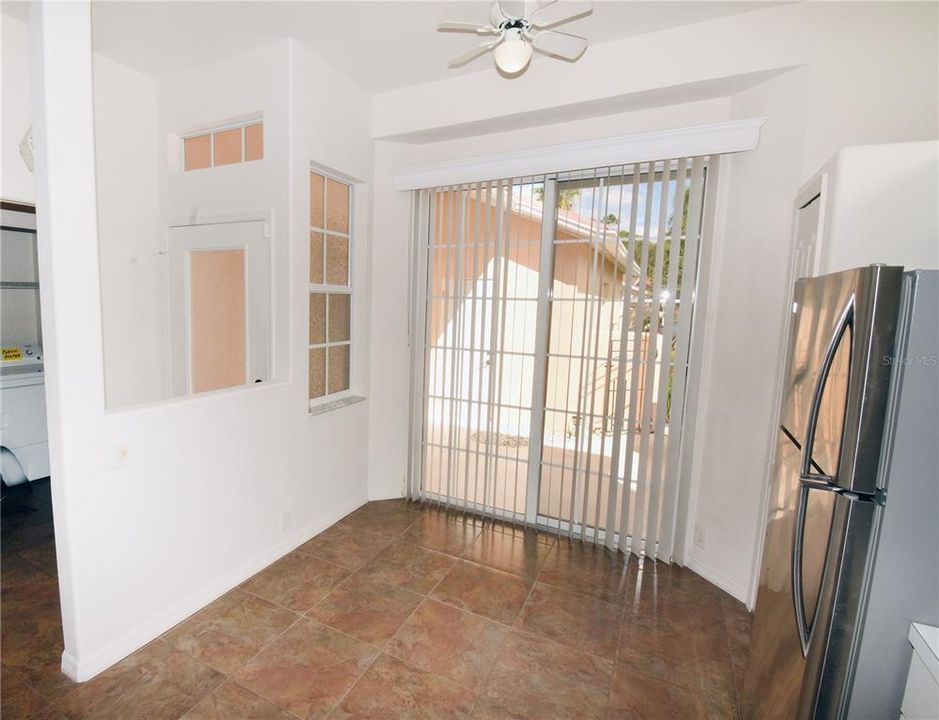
(481,310)
(551,321)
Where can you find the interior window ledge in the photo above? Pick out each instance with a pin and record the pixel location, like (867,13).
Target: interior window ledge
(320,407)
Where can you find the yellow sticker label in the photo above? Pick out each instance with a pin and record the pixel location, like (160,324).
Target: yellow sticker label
(13,353)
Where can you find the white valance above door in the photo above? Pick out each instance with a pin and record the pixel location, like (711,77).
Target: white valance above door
(713,139)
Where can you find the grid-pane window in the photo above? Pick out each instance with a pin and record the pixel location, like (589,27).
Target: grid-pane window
(224,146)
(330,287)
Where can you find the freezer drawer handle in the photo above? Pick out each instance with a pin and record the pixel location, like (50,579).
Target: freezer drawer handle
(805,632)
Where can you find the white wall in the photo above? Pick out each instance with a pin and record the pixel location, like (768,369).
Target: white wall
(326,108)
(742,341)
(127,162)
(199,505)
(16,181)
(825,74)
(211,95)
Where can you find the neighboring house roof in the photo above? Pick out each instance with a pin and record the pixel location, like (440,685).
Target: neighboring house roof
(584,227)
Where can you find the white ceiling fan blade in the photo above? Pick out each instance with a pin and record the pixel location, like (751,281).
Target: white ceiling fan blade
(466,27)
(557,12)
(506,10)
(496,14)
(562,45)
(473,53)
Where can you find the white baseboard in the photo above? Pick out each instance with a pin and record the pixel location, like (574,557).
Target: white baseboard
(716,576)
(385,494)
(82,669)
(69,666)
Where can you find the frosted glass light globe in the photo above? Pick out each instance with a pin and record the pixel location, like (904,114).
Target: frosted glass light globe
(514,53)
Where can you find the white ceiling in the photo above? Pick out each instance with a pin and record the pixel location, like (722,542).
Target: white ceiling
(380,45)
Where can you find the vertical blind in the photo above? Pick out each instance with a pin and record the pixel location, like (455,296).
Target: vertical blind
(550,323)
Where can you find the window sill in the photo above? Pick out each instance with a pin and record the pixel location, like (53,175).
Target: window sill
(318,407)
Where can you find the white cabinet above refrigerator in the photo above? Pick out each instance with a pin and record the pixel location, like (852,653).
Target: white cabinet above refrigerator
(870,204)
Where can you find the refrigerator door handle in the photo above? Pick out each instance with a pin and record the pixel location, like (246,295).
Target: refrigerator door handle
(805,474)
(809,480)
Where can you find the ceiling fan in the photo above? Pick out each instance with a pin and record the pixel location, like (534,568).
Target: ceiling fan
(518,34)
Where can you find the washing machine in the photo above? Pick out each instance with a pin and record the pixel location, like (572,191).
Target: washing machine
(24,441)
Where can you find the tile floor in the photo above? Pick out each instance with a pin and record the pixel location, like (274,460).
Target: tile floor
(397,611)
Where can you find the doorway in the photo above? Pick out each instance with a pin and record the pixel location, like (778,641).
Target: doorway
(553,320)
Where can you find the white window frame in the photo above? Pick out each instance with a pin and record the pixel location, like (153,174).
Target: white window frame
(241,124)
(258,288)
(327,401)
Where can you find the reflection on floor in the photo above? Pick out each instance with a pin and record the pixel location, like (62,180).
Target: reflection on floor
(398,611)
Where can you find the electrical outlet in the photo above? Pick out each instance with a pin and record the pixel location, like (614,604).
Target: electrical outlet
(285,521)
(699,536)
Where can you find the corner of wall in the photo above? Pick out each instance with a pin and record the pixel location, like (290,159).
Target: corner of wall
(716,575)
(86,668)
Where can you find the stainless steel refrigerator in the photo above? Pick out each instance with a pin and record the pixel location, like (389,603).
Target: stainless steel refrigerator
(851,553)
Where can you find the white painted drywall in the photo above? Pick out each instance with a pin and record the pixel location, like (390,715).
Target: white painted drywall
(199,505)
(741,343)
(844,74)
(127,162)
(16,181)
(71,311)
(865,180)
(218,94)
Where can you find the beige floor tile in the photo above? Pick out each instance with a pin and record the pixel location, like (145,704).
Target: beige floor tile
(393,690)
(296,581)
(518,553)
(230,700)
(18,701)
(157,681)
(409,566)
(494,594)
(449,642)
(308,669)
(231,630)
(366,608)
(584,568)
(443,531)
(537,678)
(385,518)
(575,620)
(636,696)
(346,545)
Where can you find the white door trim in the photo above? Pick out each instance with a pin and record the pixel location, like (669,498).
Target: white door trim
(714,139)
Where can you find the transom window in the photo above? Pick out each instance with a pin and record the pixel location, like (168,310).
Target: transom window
(226,145)
(330,338)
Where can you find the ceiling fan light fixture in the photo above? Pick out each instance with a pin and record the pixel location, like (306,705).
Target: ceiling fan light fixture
(514,53)
(518,37)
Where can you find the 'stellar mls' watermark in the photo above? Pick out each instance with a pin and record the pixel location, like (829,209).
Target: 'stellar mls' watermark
(916,360)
